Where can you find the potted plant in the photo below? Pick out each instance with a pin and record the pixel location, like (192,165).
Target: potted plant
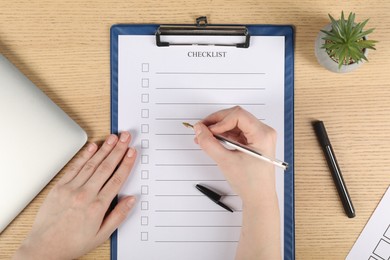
(342,45)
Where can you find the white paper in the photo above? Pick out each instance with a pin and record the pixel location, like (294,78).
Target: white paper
(158,89)
(374,241)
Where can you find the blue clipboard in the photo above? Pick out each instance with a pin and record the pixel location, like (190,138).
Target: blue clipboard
(256,30)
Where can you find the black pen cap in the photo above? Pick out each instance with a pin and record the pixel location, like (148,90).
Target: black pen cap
(320,130)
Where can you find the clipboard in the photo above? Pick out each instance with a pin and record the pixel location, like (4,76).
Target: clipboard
(245,32)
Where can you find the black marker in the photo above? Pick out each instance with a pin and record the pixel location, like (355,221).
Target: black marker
(334,168)
(213,196)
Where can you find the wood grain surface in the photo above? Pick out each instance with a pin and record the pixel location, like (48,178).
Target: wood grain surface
(64,48)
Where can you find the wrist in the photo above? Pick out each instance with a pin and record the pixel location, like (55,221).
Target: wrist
(260,232)
(259,189)
(261,201)
(23,252)
(28,251)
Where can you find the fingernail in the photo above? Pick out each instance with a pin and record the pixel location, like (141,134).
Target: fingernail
(111,139)
(197,129)
(124,136)
(91,147)
(130,152)
(130,202)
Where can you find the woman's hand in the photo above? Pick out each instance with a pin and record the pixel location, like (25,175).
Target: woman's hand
(251,178)
(243,171)
(72,220)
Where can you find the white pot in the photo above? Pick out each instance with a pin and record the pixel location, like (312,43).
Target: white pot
(324,59)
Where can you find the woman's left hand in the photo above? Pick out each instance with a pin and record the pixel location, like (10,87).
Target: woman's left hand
(72,220)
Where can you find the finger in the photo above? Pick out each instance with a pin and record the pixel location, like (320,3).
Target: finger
(255,133)
(115,218)
(91,165)
(217,116)
(210,144)
(227,121)
(236,118)
(109,164)
(115,183)
(242,123)
(74,167)
(235,135)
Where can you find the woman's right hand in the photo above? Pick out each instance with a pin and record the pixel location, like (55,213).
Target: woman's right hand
(252,179)
(247,175)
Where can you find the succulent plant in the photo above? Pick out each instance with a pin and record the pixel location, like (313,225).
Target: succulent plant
(346,41)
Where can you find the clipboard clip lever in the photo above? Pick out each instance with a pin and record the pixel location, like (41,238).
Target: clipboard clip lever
(202,28)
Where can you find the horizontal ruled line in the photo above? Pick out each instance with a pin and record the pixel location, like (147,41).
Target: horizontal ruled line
(173,118)
(208,73)
(189,180)
(192,210)
(178,164)
(211,104)
(199,226)
(174,134)
(180,195)
(214,88)
(186,119)
(178,149)
(198,241)
(158,195)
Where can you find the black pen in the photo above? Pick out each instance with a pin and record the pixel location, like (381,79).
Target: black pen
(334,168)
(213,196)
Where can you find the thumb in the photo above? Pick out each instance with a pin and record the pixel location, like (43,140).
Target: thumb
(210,144)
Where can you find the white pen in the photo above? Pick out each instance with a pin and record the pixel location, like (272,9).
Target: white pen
(245,149)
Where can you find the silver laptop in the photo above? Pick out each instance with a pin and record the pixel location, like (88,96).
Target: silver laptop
(37,140)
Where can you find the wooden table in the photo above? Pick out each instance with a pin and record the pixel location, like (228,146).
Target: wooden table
(64,48)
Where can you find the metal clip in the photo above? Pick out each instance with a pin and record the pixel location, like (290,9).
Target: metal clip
(202,28)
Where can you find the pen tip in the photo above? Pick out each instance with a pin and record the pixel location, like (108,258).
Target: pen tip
(187,125)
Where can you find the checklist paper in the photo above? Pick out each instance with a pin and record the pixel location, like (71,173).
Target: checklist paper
(374,242)
(158,89)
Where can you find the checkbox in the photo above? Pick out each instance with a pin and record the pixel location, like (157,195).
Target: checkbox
(145,83)
(144,205)
(144,128)
(144,174)
(145,67)
(382,249)
(145,159)
(144,190)
(145,98)
(144,221)
(145,113)
(144,236)
(144,144)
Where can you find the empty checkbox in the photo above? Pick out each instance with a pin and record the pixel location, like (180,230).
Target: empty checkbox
(144,236)
(145,113)
(144,143)
(145,67)
(145,159)
(144,221)
(144,174)
(144,190)
(145,98)
(145,83)
(144,205)
(144,128)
